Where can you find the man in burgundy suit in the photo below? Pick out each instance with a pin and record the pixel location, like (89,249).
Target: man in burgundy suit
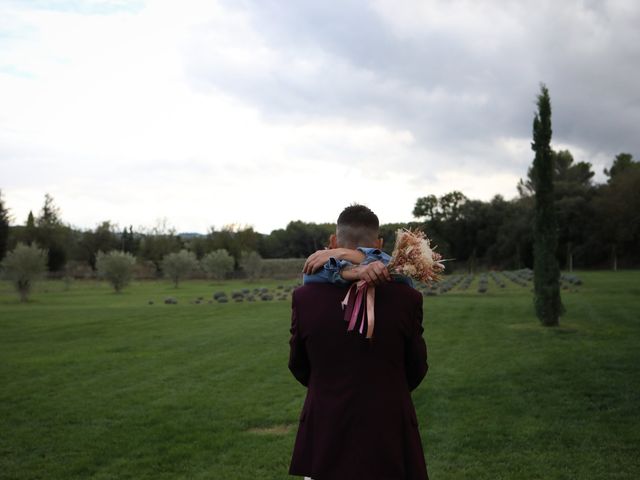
(358,421)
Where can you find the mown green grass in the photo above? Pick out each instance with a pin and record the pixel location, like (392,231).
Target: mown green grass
(99,385)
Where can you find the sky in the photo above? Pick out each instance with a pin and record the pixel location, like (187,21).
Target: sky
(199,114)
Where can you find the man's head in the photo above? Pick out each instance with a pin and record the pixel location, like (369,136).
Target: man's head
(357,227)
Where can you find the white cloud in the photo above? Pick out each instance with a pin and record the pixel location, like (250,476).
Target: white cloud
(256,113)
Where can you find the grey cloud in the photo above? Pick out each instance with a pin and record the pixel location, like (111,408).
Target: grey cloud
(454,96)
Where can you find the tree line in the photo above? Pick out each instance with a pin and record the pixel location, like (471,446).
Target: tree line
(598,224)
(598,227)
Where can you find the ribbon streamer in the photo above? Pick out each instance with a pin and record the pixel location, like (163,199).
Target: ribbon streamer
(359,304)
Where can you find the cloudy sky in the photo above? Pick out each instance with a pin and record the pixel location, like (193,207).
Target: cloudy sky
(261,112)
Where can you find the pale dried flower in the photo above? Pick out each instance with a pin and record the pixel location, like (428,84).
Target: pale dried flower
(414,257)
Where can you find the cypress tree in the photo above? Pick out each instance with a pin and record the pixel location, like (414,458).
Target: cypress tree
(30,231)
(548,305)
(4,228)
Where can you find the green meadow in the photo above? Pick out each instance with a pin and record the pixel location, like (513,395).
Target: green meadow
(108,386)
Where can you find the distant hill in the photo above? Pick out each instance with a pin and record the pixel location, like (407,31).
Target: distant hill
(188,235)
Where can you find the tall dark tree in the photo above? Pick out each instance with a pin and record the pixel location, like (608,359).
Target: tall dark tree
(446,222)
(50,213)
(275,245)
(622,162)
(158,242)
(548,305)
(4,228)
(30,229)
(130,241)
(573,190)
(427,207)
(102,239)
(52,235)
(617,206)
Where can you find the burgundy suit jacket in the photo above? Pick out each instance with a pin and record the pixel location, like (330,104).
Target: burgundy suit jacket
(358,421)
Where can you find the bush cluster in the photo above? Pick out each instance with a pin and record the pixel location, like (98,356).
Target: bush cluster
(217,264)
(116,267)
(177,266)
(483,283)
(23,266)
(251,264)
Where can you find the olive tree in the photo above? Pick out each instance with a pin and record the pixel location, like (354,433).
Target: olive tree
(251,263)
(177,266)
(116,267)
(217,264)
(23,266)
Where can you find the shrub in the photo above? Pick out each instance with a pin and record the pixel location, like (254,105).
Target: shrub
(23,266)
(177,266)
(217,264)
(116,267)
(251,263)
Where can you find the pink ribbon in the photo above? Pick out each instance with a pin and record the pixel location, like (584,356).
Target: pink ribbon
(360,297)
(371,301)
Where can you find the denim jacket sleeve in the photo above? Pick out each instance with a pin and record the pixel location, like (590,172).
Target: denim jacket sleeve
(373,255)
(330,272)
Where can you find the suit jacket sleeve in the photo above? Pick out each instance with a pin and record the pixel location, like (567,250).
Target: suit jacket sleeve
(298,359)
(416,350)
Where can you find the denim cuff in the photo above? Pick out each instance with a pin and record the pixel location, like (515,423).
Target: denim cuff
(374,255)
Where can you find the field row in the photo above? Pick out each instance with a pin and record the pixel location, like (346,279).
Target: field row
(494,281)
(233,291)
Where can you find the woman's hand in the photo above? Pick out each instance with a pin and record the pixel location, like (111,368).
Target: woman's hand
(374,273)
(317,260)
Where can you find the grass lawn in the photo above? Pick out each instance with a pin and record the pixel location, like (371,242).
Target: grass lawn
(99,385)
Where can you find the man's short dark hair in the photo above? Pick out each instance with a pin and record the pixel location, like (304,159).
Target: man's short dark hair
(357,226)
